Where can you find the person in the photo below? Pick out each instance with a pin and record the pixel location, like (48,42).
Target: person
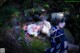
(57,37)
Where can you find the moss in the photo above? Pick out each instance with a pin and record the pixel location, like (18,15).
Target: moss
(39,46)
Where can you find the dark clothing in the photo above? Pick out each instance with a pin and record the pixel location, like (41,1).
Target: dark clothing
(57,40)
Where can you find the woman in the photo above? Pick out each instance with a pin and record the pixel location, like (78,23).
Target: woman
(57,37)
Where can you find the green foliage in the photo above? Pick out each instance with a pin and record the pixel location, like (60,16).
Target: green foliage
(24,45)
(6,13)
(22,34)
(46,5)
(38,1)
(22,42)
(38,46)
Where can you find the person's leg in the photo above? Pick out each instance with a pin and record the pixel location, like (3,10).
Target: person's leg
(64,47)
(50,50)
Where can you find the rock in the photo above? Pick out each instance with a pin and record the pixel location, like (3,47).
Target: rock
(69,36)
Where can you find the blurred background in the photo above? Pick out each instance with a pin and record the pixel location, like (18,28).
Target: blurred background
(19,12)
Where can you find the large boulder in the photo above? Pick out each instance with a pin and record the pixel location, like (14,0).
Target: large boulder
(69,36)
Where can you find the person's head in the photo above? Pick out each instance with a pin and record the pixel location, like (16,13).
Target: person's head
(58,19)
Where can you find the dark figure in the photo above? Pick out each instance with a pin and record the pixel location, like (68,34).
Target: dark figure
(57,37)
